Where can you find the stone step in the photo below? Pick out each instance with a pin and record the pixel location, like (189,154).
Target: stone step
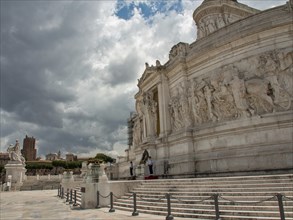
(222,180)
(223,210)
(222,202)
(196,185)
(197,197)
(252,197)
(231,178)
(253,183)
(208,193)
(203,216)
(257,207)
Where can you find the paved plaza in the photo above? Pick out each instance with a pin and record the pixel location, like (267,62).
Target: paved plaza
(44,204)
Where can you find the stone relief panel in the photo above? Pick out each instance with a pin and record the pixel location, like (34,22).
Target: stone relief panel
(213,22)
(252,86)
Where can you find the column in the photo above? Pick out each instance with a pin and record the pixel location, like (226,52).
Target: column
(164,99)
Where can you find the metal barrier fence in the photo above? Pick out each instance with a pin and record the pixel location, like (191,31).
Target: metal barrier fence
(214,198)
(71,195)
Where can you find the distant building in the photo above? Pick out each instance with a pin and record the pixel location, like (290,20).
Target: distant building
(4,158)
(29,151)
(71,157)
(54,156)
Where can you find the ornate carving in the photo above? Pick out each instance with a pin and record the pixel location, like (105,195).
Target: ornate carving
(176,117)
(256,85)
(179,49)
(137,132)
(184,105)
(150,111)
(231,93)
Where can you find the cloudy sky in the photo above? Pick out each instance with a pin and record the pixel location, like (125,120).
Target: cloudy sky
(69,69)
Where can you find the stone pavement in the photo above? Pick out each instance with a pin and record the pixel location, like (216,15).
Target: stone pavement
(44,204)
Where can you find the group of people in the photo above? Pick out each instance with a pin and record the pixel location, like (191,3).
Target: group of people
(150,164)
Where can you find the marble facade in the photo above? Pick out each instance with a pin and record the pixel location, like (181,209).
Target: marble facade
(222,104)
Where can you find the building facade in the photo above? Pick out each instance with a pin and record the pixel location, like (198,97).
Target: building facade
(54,156)
(71,157)
(29,150)
(221,105)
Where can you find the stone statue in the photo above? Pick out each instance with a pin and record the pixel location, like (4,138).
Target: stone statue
(15,154)
(150,112)
(144,157)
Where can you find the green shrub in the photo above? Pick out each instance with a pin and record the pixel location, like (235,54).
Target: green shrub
(66,164)
(35,166)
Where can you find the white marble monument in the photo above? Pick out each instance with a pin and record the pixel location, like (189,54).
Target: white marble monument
(221,105)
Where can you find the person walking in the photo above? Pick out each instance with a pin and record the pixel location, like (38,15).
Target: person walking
(150,164)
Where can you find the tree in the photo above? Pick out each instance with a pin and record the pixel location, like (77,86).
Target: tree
(104,158)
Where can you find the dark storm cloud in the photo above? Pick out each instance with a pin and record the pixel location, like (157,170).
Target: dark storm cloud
(31,62)
(43,49)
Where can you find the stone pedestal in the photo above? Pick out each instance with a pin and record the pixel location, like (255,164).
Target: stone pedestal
(16,170)
(90,187)
(140,171)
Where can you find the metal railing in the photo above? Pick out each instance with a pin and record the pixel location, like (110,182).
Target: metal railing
(70,195)
(214,199)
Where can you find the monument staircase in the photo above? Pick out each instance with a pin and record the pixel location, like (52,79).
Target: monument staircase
(242,197)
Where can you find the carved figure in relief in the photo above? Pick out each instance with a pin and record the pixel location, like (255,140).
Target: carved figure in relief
(210,24)
(239,94)
(147,109)
(193,102)
(269,66)
(278,79)
(286,69)
(219,21)
(154,115)
(202,106)
(258,90)
(228,19)
(175,115)
(139,108)
(185,111)
(223,101)
(202,32)
(209,98)
(285,59)
(137,133)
